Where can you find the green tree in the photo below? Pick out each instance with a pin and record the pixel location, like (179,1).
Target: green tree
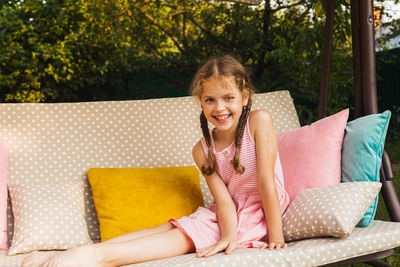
(117,49)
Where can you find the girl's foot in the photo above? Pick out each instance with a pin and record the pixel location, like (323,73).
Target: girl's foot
(37,258)
(83,256)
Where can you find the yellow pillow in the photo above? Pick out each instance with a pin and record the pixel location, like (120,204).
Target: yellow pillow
(131,199)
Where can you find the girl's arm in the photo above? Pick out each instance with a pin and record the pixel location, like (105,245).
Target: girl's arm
(226,210)
(266,150)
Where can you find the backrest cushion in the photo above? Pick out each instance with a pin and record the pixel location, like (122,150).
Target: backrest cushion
(332,210)
(310,155)
(3,194)
(62,141)
(132,199)
(47,216)
(363,142)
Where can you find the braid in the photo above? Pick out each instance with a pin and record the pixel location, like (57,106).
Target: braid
(238,137)
(208,168)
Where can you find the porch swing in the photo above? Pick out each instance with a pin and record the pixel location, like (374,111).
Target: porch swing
(366,101)
(53,146)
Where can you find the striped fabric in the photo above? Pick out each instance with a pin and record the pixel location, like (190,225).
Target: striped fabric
(245,183)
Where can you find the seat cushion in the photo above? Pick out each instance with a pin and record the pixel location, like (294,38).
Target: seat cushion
(379,236)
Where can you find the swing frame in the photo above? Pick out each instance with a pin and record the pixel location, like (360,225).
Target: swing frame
(366,100)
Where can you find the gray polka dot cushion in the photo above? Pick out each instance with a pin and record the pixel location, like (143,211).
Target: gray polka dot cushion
(328,211)
(48,216)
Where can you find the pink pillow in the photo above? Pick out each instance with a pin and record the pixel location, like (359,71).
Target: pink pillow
(311,155)
(3,194)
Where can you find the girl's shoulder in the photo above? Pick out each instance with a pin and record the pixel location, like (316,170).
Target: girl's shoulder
(259,118)
(198,153)
(260,114)
(198,147)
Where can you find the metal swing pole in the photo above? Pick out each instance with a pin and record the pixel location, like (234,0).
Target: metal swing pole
(367,60)
(366,100)
(362,23)
(328,37)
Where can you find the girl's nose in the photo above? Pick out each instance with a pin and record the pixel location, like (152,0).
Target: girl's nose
(220,105)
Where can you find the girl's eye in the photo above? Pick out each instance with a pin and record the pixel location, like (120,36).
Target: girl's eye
(209,100)
(229,98)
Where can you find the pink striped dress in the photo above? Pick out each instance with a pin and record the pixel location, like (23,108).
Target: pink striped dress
(202,226)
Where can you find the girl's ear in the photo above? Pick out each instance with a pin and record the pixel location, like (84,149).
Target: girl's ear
(246,95)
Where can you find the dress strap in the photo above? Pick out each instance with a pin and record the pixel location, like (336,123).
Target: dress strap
(247,129)
(204,145)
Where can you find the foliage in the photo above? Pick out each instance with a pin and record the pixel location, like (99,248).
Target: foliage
(392,26)
(51,51)
(58,51)
(90,50)
(298,46)
(392,145)
(388,65)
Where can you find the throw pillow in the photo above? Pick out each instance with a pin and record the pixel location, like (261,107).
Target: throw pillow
(131,199)
(362,150)
(3,194)
(47,216)
(328,211)
(310,155)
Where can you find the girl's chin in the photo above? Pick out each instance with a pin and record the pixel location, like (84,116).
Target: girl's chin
(226,126)
(224,122)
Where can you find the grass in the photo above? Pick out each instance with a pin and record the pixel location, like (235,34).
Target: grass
(381,212)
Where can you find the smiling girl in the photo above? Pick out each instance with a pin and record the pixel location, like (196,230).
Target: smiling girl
(240,162)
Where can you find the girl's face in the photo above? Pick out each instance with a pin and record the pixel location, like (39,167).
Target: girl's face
(222,102)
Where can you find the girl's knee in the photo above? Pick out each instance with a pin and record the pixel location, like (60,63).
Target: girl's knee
(188,244)
(166,226)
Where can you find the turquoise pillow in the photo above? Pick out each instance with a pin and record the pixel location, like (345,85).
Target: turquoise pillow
(362,150)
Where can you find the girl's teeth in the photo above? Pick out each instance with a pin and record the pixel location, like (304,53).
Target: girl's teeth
(221,118)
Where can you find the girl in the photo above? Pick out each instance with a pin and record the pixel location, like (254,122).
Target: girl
(240,162)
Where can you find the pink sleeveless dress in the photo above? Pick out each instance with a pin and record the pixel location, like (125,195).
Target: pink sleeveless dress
(202,226)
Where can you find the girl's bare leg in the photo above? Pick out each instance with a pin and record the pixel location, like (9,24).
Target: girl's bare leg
(137,234)
(38,257)
(150,247)
(157,246)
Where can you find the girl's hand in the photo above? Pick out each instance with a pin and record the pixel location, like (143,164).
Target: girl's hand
(274,245)
(224,244)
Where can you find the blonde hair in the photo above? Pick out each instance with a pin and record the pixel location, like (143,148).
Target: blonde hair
(226,67)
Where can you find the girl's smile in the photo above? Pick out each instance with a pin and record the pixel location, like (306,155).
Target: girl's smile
(222,118)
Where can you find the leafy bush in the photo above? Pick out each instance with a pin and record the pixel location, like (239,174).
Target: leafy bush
(58,51)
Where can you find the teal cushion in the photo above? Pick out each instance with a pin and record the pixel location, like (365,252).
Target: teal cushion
(362,150)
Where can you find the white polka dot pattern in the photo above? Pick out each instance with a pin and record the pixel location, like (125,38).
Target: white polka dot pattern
(328,211)
(60,142)
(48,216)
